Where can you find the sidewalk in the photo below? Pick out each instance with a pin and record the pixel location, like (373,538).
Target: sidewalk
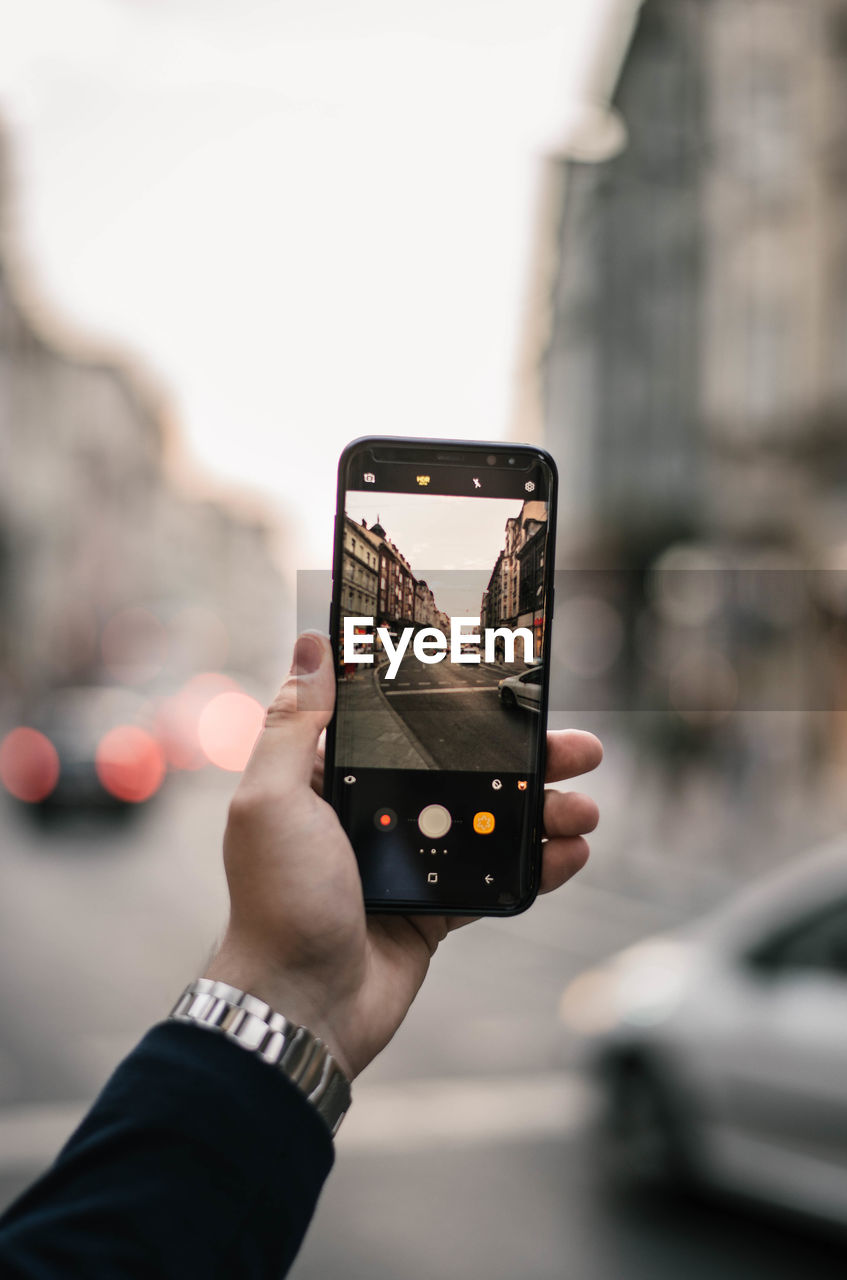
(390,742)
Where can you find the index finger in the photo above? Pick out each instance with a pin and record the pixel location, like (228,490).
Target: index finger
(571,752)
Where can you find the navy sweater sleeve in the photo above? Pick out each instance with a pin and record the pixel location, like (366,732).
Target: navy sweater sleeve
(197,1160)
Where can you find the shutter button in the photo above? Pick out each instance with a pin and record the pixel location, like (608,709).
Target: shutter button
(435,821)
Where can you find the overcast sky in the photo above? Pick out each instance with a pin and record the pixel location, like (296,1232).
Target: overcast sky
(309,221)
(452,542)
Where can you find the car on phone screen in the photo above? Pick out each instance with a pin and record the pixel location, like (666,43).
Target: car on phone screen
(523,690)
(720,1050)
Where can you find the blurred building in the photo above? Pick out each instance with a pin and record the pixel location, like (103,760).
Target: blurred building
(687,343)
(91,524)
(694,361)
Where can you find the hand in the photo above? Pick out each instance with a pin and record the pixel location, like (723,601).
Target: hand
(298,936)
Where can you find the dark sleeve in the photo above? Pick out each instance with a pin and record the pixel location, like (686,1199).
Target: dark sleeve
(197,1160)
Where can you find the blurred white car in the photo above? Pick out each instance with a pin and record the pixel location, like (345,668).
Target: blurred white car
(523,690)
(721,1050)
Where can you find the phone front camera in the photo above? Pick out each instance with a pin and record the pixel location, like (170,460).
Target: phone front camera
(491,459)
(511,462)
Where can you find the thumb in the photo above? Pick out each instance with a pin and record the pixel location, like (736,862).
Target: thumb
(285,750)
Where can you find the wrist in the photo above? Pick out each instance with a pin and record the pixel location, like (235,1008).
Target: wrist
(285,996)
(282,1044)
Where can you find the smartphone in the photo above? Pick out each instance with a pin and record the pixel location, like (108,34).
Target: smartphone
(441,619)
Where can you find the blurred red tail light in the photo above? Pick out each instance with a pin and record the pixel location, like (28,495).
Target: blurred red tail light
(29,764)
(130,763)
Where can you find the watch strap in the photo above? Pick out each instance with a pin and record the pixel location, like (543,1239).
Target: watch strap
(254,1025)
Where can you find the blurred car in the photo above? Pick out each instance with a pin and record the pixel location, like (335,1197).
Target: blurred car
(721,1050)
(85,748)
(523,690)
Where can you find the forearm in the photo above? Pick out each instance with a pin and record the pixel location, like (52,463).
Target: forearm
(196,1160)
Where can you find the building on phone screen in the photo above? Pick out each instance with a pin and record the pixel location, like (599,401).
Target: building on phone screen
(514,596)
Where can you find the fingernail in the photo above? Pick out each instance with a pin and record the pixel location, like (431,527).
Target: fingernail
(308,655)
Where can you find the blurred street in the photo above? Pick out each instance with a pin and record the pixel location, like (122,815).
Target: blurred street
(467,1151)
(635,256)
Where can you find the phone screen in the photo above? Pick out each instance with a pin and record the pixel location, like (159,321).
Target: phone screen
(442,585)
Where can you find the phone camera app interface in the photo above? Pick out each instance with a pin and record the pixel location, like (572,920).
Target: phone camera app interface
(441,650)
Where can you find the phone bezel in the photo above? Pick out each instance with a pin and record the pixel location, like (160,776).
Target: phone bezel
(473,448)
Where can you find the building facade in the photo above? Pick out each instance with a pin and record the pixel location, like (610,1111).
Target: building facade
(92,522)
(514,596)
(693,368)
(359,570)
(693,363)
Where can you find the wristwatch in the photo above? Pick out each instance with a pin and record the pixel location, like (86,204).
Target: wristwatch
(282,1044)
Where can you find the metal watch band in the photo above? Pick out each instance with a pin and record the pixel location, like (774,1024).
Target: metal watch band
(282,1044)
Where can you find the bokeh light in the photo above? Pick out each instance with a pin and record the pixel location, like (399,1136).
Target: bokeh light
(130,763)
(589,635)
(686,584)
(587,1004)
(29,765)
(228,728)
(178,717)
